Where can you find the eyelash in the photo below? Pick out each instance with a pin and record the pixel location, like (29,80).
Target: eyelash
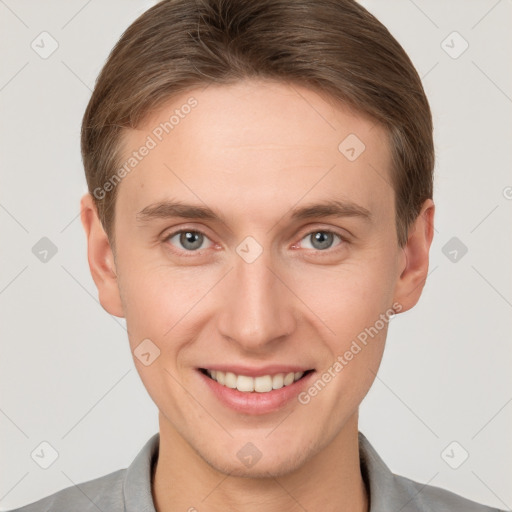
(167,237)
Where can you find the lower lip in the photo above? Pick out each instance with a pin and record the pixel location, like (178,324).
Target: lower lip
(254,402)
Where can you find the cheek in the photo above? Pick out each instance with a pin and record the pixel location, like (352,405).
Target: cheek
(146,303)
(350,297)
(163,304)
(355,308)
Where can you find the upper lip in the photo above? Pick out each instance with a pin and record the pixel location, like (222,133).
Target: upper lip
(251,371)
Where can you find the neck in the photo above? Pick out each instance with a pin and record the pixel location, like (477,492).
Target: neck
(330,481)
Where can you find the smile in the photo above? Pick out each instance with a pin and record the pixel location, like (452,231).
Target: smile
(260,384)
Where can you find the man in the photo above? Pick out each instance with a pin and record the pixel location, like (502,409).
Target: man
(260,206)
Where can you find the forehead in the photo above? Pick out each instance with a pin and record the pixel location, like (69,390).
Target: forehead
(256,143)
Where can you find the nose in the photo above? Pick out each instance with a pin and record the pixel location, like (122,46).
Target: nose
(257,308)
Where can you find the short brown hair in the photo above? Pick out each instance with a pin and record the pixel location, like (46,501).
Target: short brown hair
(334,47)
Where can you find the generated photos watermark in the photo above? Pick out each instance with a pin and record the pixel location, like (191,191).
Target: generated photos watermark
(152,140)
(355,348)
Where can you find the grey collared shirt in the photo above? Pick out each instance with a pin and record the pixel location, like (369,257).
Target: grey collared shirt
(129,490)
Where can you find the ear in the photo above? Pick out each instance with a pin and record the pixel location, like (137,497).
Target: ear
(100,257)
(416,257)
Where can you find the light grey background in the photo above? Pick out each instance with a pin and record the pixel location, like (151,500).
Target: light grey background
(66,372)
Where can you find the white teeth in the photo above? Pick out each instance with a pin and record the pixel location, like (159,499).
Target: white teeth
(244,383)
(288,378)
(262,384)
(229,379)
(278,381)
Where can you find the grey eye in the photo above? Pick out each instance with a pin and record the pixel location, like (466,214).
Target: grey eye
(321,240)
(189,240)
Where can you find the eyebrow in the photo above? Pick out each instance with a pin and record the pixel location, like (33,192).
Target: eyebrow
(176,209)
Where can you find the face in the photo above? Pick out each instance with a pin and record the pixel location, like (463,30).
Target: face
(285,262)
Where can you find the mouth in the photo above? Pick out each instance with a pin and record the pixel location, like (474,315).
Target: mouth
(260,384)
(256,391)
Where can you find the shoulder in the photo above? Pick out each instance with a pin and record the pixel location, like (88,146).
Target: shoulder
(104,493)
(390,491)
(429,498)
(121,490)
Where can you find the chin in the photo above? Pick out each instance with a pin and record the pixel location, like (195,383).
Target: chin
(262,469)
(268,465)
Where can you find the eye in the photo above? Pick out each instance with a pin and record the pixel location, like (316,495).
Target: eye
(193,241)
(322,239)
(189,240)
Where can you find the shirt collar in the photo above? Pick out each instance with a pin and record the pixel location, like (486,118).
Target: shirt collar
(384,492)
(379,480)
(137,483)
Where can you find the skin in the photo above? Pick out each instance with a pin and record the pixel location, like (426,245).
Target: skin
(253,151)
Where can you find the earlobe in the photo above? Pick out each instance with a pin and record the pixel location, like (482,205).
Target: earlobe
(416,254)
(101,258)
